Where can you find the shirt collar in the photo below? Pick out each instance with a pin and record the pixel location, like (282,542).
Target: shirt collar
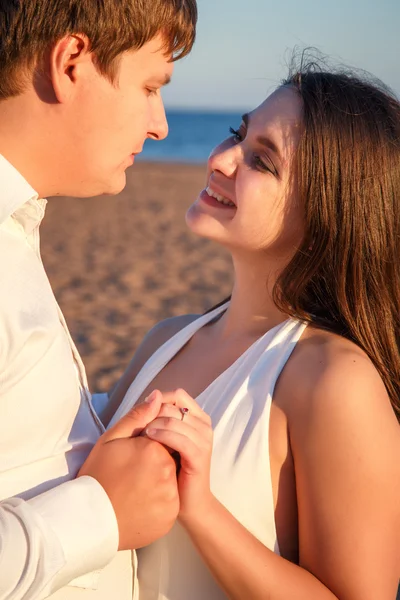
(18,198)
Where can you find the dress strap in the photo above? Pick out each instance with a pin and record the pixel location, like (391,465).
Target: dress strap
(161,358)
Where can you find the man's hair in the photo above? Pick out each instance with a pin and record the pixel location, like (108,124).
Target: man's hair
(29,29)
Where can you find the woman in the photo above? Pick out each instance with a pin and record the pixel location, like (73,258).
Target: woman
(297,376)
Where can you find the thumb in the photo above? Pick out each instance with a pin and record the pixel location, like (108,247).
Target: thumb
(133,423)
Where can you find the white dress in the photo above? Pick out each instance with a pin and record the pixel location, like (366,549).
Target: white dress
(239,403)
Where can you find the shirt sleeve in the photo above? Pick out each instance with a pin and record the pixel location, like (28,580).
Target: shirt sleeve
(48,541)
(100,403)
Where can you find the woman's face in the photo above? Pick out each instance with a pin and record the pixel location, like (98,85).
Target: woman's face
(252,173)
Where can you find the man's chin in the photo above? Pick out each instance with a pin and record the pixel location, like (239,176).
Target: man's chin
(111,186)
(115,187)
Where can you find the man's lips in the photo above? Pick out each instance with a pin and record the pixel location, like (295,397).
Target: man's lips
(133,156)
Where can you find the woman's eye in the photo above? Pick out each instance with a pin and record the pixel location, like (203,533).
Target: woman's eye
(263,166)
(266,166)
(151,92)
(235,134)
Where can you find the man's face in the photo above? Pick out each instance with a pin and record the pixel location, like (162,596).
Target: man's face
(106,124)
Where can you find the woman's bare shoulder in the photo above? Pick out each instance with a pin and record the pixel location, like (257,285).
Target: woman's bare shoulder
(326,370)
(162,332)
(153,340)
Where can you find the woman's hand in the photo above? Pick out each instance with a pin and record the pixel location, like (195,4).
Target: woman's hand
(190,434)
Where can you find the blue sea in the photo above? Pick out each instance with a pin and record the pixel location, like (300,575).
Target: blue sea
(192,136)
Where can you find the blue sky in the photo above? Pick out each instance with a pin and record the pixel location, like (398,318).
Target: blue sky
(243,46)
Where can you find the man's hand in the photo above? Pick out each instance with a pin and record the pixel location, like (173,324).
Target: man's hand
(139,476)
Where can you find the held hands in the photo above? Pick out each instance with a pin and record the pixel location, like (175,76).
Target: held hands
(138,475)
(189,433)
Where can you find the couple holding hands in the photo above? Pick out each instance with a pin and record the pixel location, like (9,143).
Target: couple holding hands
(247,453)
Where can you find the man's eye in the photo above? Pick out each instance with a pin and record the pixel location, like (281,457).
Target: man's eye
(151,92)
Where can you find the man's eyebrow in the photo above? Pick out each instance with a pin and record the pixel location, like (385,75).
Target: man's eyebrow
(163,81)
(158,80)
(264,141)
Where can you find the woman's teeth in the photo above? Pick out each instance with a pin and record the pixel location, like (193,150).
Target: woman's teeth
(219,198)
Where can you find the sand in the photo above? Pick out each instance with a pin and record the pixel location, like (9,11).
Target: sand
(118,265)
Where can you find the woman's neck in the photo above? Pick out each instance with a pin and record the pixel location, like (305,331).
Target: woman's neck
(252,311)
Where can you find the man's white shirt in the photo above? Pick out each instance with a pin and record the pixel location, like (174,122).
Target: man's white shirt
(53,528)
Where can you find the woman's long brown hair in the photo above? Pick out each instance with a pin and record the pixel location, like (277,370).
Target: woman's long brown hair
(345,276)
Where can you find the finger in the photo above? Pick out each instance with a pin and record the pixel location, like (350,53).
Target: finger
(133,423)
(182,399)
(166,399)
(195,430)
(168,411)
(188,450)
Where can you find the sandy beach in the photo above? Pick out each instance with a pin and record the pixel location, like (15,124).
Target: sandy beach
(120,264)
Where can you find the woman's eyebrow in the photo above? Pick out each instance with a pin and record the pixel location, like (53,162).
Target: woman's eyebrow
(263,140)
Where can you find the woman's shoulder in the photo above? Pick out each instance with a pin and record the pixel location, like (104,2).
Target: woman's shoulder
(163,331)
(321,351)
(330,373)
(153,340)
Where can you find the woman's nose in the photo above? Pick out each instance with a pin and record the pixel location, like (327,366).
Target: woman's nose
(225,159)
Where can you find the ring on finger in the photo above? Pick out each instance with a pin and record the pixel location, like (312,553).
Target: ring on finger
(184,411)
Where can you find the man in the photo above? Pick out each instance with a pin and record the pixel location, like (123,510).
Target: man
(80,88)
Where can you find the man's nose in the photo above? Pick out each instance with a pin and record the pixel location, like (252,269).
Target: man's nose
(158,129)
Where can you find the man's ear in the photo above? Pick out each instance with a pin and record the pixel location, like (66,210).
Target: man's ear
(70,58)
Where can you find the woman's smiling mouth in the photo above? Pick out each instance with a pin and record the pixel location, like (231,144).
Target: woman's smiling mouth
(219,198)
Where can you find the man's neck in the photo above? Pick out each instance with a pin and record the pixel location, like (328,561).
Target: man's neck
(22,141)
